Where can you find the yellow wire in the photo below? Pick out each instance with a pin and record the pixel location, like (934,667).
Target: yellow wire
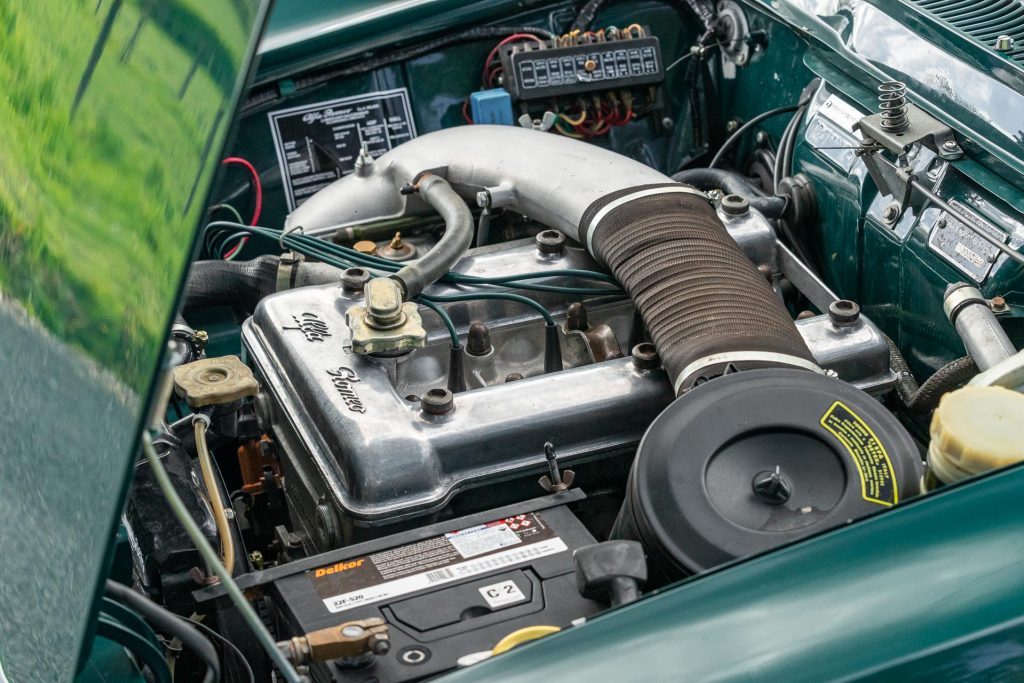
(639,30)
(567,133)
(227,545)
(581,119)
(523,635)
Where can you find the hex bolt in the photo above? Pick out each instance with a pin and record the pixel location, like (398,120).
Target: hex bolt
(368,247)
(804,315)
(771,487)
(576,317)
(437,402)
(645,356)
(941,223)
(734,205)
(550,242)
(950,146)
(354,279)
(478,341)
(483,199)
(1004,43)
(891,213)
(843,312)
(999,305)
(513,377)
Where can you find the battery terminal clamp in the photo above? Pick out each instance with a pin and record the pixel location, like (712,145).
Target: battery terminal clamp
(351,640)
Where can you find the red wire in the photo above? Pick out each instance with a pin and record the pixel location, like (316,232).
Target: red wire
(258,188)
(485,77)
(465,112)
(255,183)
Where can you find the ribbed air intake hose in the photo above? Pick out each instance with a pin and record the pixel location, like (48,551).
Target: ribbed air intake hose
(694,288)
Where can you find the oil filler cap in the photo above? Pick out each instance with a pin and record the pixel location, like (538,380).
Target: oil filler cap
(975,429)
(756,459)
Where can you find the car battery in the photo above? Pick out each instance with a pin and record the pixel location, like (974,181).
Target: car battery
(445,591)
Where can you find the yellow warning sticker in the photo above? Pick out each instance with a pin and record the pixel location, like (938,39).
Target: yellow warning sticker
(877,479)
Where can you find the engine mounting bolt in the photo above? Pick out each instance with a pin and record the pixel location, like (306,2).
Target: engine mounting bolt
(576,317)
(999,304)
(550,242)
(354,279)
(771,487)
(645,356)
(1004,43)
(437,402)
(734,205)
(843,312)
(513,377)
(478,341)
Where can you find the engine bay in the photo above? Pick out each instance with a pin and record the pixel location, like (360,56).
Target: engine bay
(494,330)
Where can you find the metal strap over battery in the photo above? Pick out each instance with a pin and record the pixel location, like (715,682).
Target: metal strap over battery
(621,201)
(766,357)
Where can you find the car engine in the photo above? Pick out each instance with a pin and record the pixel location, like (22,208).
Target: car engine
(469,386)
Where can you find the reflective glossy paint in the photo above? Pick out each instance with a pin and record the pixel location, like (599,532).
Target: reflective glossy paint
(113,117)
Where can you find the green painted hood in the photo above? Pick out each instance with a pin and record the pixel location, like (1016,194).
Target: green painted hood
(111,128)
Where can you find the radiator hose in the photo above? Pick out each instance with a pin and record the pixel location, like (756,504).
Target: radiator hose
(238,284)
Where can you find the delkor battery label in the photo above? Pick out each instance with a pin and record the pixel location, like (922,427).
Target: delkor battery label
(319,143)
(443,559)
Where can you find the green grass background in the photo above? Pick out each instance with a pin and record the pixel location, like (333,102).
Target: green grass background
(93,222)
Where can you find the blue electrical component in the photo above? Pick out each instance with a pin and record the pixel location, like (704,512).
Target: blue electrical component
(492,106)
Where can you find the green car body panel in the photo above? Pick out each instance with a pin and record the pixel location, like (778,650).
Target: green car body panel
(113,116)
(104,168)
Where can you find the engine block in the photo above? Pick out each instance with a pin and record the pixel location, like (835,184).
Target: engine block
(359,448)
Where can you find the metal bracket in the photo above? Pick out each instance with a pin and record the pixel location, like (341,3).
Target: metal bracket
(921,128)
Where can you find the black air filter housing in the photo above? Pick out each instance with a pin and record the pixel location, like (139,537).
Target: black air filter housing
(753,460)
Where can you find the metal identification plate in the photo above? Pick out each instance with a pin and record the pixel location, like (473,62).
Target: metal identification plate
(960,245)
(318,143)
(830,131)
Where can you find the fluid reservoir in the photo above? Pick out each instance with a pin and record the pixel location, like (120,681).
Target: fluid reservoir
(974,430)
(756,459)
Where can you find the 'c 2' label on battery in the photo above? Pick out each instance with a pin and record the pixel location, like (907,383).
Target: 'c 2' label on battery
(877,479)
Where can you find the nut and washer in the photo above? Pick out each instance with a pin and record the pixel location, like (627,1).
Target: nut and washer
(1004,43)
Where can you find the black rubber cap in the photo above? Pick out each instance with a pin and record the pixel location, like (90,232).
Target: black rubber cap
(760,458)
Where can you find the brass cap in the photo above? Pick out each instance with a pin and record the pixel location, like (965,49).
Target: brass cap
(213,381)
